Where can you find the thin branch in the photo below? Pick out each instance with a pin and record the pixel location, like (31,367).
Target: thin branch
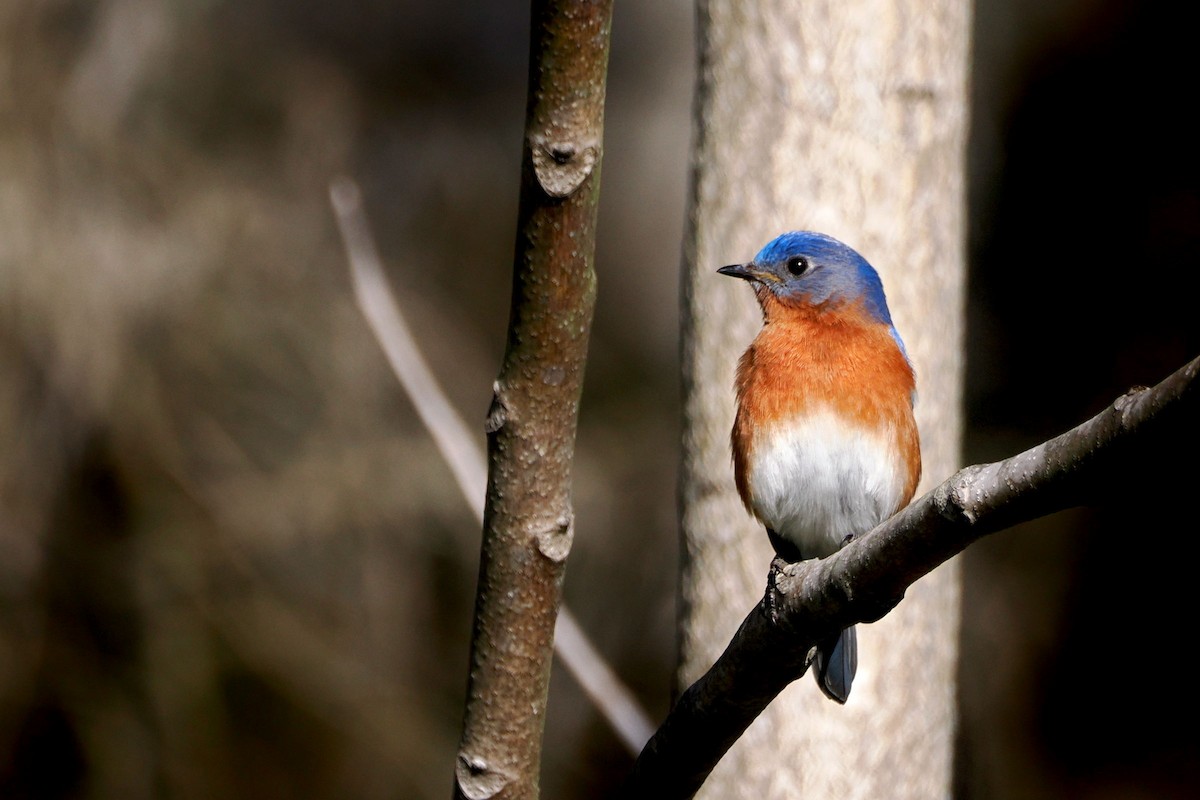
(1095,461)
(528,518)
(582,660)
(382,313)
(600,683)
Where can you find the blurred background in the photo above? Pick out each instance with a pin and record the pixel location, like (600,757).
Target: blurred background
(232,563)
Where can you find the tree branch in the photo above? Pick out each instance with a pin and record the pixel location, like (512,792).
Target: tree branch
(528,521)
(1089,464)
(579,656)
(386,321)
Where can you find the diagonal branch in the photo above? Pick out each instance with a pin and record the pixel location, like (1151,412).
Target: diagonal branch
(383,315)
(1097,460)
(583,662)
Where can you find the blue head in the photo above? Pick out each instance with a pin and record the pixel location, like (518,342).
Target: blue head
(812,268)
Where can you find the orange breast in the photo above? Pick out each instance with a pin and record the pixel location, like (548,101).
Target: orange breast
(806,358)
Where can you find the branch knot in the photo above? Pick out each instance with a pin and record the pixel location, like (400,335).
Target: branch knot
(476,779)
(562,167)
(555,542)
(497,413)
(953,498)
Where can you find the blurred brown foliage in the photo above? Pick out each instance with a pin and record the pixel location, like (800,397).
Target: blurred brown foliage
(234,565)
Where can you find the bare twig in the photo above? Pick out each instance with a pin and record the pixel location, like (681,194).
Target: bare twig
(583,662)
(382,313)
(611,697)
(869,576)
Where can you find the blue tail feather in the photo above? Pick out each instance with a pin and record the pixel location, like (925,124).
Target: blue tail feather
(836,663)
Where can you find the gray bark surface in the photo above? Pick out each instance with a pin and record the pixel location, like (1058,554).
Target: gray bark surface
(847,118)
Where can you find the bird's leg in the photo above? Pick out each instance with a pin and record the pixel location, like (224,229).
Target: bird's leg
(785,548)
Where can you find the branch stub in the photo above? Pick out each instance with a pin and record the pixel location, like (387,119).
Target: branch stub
(497,413)
(562,167)
(476,779)
(555,542)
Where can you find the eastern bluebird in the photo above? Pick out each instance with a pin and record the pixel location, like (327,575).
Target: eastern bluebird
(825,445)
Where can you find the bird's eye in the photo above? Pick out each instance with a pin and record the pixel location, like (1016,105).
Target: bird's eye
(797,265)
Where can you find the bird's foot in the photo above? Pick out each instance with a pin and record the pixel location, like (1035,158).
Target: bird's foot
(773,595)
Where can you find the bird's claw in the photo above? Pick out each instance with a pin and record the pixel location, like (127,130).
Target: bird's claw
(771,600)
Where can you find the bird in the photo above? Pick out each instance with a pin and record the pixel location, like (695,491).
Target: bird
(825,444)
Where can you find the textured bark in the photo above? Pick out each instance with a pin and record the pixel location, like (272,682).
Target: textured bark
(848,118)
(1129,449)
(528,520)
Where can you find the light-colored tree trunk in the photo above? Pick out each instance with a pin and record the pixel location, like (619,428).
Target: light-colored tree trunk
(848,118)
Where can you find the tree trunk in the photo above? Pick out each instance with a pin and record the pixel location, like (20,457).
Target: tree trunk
(848,118)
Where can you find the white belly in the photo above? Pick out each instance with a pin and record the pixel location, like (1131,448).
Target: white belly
(816,480)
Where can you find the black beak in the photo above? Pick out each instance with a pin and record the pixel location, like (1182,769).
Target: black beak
(738,271)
